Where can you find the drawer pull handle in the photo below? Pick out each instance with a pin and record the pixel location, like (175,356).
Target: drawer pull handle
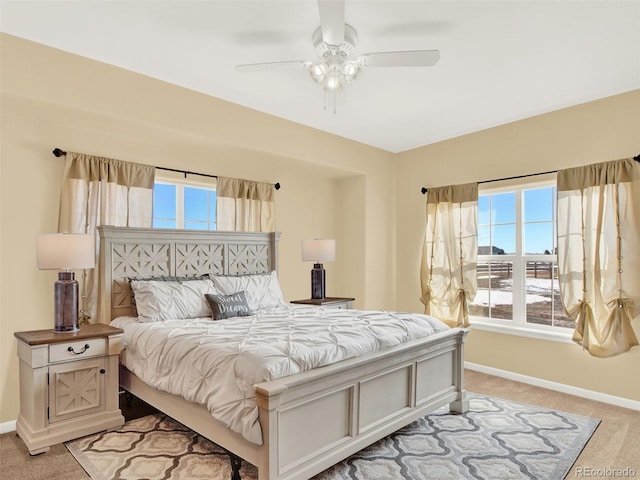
(103,371)
(86,347)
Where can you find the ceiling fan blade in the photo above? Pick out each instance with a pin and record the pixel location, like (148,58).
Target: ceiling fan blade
(332,21)
(259,67)
(409,58)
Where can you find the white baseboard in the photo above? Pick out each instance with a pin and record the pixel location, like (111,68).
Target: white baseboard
(558,387)
(7,427)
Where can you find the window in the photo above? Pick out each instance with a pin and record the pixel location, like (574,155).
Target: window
(184,205)
(517,263)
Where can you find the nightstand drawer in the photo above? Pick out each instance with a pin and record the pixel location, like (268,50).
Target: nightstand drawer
(343,306)
(64,352)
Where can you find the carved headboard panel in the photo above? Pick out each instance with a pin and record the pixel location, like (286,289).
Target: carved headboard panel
(127,253)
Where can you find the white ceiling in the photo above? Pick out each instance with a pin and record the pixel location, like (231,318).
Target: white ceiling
(501,61)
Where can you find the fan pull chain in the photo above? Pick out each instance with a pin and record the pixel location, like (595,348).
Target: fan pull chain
(334,102)
(326,95)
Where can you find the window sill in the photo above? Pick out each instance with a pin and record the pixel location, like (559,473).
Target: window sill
(480,323)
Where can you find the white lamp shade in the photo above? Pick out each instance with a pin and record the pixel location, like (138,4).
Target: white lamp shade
(65,251)
(319,250)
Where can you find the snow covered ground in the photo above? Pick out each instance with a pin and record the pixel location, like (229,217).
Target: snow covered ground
(499,297)
(535,287)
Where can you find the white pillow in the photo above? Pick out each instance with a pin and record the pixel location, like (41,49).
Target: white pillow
(262,290)
(157,301)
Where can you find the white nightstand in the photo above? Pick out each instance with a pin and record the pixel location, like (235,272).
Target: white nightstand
(329,302)
(68,384)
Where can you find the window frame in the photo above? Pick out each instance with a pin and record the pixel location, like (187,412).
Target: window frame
(518,325)
(180,183)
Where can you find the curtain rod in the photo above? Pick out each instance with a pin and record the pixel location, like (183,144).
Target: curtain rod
(60,153)
(425,189)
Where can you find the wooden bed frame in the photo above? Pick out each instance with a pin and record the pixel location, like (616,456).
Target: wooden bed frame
(311,420)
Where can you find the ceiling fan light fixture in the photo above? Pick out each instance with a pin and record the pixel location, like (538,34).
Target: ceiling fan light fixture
(333,83)
(333,77)
(319,71)
(350,71)
(335,45)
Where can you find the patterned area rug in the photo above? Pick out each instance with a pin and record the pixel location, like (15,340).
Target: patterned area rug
(496,439)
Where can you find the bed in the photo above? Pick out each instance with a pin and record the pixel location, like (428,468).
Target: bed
(361,398)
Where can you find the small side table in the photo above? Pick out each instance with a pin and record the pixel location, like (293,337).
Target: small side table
(68,384)
(328,302)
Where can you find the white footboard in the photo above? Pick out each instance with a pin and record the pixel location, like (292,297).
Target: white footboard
(313,420)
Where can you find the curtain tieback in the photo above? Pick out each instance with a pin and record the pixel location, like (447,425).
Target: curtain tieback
(464,311)
(618,302)
(622,305)
(463,298)
(426,297)
(585,308)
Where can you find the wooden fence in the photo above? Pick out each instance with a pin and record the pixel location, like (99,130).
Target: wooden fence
(535,269)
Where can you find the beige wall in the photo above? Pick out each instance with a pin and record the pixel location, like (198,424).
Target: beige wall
(332,187)
(54,99)
(607,129)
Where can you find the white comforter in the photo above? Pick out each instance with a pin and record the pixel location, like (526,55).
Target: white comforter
(216,363)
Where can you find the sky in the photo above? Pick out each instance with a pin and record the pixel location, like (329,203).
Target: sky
(496,216)
(496,220)
(199,207)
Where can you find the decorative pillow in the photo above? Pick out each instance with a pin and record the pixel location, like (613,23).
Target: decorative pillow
(160,300)
(262,290)
(227,306)
(162,279)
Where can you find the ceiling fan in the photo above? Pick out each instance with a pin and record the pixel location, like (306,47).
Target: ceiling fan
(335,45)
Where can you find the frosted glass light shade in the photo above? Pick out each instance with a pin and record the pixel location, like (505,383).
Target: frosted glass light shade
(319,250)
(65,251)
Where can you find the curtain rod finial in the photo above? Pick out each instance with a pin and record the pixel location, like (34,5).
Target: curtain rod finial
(277,186)
(58,153)
(424,190)
(637,158)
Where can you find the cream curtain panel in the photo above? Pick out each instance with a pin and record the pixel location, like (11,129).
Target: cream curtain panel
(450,253)
(245,206)
(599,253)
(101,191)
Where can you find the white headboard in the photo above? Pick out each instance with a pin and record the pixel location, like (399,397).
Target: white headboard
(127,253)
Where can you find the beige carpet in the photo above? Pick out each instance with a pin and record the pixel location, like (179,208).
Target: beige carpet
(614,446)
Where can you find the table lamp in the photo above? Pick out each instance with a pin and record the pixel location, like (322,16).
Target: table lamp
(318,251)
(65,251)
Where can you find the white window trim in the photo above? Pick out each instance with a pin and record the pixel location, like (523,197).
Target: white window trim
(531,330)
(519,327)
